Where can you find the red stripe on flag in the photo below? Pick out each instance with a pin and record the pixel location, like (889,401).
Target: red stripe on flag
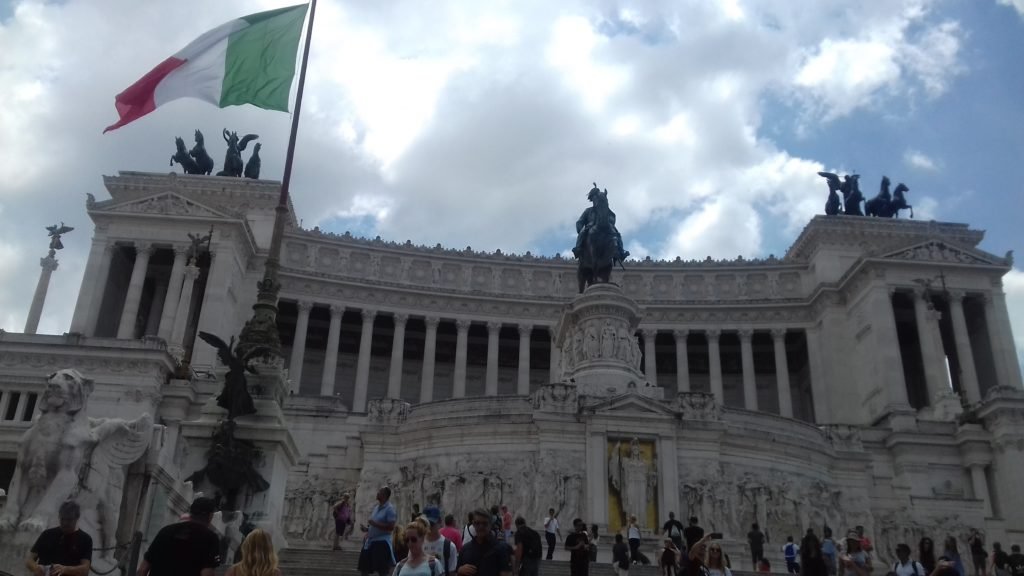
(137,100)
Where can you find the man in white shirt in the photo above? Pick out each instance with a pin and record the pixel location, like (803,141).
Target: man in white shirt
(905,566)
(437,545)
(551,532)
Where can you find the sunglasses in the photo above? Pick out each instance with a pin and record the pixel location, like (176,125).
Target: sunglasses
(412,540)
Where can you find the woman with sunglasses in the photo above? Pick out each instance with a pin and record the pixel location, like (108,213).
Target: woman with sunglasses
(715,562)
(417,562)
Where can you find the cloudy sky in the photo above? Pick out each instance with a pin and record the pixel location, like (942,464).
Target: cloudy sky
(483,123)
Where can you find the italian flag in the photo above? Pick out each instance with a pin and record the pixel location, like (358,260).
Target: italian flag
(250,60)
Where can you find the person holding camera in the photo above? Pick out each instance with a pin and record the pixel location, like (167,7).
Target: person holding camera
(578,545)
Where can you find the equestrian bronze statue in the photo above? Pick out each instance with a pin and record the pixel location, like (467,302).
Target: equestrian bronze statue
(598,242)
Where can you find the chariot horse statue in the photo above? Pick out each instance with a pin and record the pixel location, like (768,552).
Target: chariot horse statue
(598,243)
(886,204)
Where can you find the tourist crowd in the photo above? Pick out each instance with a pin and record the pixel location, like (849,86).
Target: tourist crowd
(493,543)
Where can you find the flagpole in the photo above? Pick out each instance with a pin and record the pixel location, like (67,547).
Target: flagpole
(261,329)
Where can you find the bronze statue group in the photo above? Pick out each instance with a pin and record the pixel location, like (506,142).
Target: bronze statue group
(885,205)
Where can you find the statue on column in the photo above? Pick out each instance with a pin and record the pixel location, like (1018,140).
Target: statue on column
(55,232)
(598,243)
(634,480)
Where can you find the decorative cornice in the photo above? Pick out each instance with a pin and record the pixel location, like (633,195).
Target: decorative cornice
(875,235)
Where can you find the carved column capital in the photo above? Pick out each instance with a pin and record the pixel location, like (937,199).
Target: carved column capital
(892,290)
(680,334)
(400,318)
(304,306)
(180,251)
(957,295)
(778,333)
(337,309)
(745,334)
(919,292)
(493,327)
(462,325)
(525,330)
(713,333)
(649,333)
(146,248)
(368,314)
(432,322)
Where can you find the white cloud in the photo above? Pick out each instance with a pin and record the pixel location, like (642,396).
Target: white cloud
(1018,4)
(919,160)
(1013,285)
(468,123)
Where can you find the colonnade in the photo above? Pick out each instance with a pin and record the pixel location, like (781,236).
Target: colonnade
(525,330)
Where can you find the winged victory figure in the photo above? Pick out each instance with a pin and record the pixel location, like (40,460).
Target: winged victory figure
(235,397)
(55,234)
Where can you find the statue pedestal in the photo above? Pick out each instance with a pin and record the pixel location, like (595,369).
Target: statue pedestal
(596,335)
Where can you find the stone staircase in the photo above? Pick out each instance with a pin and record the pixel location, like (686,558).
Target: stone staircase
(300,562)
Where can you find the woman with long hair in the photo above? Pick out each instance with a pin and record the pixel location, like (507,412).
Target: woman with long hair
(926,554)
(952,554)
(715,561)
(258,556)
(812,562)
(417,562)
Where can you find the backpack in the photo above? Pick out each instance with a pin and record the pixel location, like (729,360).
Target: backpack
(532,547)
(913,564)
(790,551)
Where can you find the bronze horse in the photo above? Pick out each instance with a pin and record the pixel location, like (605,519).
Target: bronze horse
(886,205)
(182,157)
(204,163)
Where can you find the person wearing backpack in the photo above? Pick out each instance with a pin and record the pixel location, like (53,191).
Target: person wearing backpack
(905,565)
(791,551)
(418,562)
(1015,563)
(673,530)
(528,550)
(439,546)
(620,556)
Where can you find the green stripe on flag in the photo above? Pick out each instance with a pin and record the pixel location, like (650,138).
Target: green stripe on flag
(260,61)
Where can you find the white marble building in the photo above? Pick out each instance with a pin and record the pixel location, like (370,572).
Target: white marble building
(867,376)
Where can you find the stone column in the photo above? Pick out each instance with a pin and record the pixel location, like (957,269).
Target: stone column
(429,357)
(397,356)
(493,335)
(964,353)
(156,311)
(821,411)
(650,362)
(782,373)
(1001,336)
(126,329)
(331,354)
(299,346)
(523,381)
(927,332)
(182,311)
(556,358)
(35,311)
(749,377)
(682,361)
(19,411)
(97,253)
(5,400)
(888,361)
(461,340)
(363,364)
(980,484)
(715,364)
(173,294)
(97,291)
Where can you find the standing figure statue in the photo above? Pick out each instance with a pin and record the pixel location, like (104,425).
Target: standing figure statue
(235,397)
(598,242)
(634,480)
(55,233)
(852,196)
(233,157)
(195,246)
(832,205)
(204,163)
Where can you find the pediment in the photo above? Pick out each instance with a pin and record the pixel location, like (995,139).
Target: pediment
(632,403)
(166,204)
(944,252)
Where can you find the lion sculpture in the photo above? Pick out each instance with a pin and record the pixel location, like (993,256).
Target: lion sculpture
(67,455)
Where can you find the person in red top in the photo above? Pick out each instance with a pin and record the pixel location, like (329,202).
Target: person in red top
(506,523)
(451,532)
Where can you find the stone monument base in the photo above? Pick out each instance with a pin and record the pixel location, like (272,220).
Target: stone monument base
(13,548)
